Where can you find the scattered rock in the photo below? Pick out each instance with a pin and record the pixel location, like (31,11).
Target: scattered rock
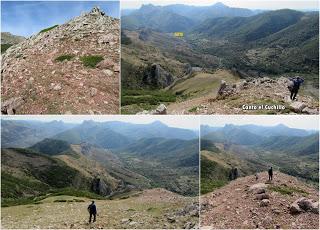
(262,196)
(93,92)
(171,219)
(308,110)
(108,72)
(257,187)
(297,106)
(264,203)
(295,209)
(161,109)
(304,203)
(189,225)
(57,87)
(315,207)
(10,106)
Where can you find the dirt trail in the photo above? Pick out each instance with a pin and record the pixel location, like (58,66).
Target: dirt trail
(153,208)
(234,206)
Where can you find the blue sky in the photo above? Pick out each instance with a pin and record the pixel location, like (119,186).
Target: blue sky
(29,17)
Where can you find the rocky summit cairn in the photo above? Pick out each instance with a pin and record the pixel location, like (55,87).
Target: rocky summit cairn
(69,68)
(96,11)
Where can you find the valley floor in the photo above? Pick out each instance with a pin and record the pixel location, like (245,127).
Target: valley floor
(234,206)
(155,208)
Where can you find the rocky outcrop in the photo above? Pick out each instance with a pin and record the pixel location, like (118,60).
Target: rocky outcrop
(304,205)
(157,77)
(100,187)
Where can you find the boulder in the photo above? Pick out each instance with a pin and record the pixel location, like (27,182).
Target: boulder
(304,203)
(315,207)
(161,109)
(262,196)
(295,209)
(308,110)
(257,187)
(264,203)
(297,106)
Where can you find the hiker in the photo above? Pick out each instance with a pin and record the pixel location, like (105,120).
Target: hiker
(270,172)
(92,209)
(294,88)
(257,177)
(231,174)
(235,174)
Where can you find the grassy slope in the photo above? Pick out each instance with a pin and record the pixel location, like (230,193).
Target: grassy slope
(147,210)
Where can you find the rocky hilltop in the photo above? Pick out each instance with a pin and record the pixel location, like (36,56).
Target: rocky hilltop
(250,202)
(64,69)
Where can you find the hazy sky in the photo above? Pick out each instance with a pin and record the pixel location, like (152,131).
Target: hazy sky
(299,121)
(186,122)
(29,17)
(251,4)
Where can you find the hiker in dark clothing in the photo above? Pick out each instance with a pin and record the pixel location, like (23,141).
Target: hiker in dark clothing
(295,87)
(270,172)
(231,174)
(235,174)
(92,209)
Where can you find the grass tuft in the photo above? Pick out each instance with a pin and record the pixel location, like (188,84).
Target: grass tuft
(64,57)
(285,190)
(47,29)
(91,61)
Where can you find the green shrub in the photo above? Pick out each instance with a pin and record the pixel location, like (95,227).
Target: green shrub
(91,61)
(64,57)
(152,97)
(47,29)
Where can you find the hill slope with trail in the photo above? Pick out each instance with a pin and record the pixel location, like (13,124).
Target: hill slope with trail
(261,91)
(155,208)
(250,203)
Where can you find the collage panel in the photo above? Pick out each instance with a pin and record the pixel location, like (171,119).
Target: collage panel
(228,57)
(259,172)
(101,172)
(60,57)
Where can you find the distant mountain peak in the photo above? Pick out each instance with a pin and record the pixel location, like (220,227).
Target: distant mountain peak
(158,123)
(220,4)
(282,126)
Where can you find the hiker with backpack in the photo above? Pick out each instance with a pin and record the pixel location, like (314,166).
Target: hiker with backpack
(294,86)
(92,209)
(270,172)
